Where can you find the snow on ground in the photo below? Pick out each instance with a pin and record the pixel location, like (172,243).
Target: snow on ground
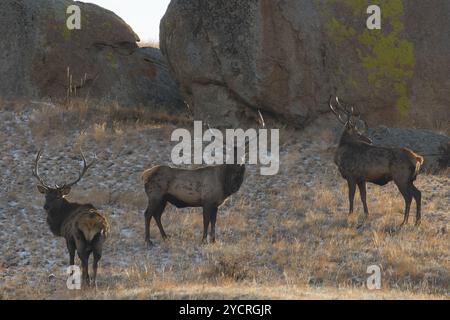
(300,211)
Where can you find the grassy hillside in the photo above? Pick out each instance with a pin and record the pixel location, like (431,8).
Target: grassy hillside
(280,237)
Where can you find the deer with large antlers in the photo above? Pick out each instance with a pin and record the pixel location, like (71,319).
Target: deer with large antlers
(82,225)
(360,162)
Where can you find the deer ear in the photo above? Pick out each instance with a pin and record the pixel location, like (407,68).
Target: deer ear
(41,189)
(65,191)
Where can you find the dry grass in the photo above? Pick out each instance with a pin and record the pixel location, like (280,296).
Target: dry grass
(281,237)
(80,115)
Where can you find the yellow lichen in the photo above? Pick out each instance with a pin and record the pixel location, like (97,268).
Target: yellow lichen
(386,57)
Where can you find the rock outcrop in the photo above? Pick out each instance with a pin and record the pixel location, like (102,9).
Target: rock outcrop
(38,52)
(434,147)
(285,57)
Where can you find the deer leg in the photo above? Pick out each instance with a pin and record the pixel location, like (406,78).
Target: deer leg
(351,194)
(148,218)
(213,217)
(71,248)
(362,193)
(408,199)
(418,198)
(97,257)
(84,257)
(206,220)
(157,214)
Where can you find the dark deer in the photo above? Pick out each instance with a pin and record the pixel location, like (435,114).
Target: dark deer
(84,228)
(206,187)
(359,162)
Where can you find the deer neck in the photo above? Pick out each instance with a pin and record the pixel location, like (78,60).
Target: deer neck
(233,178)
(345,138)
(348,139)
(57,215)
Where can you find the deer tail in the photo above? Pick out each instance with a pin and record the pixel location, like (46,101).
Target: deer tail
(417,161)
(93,223)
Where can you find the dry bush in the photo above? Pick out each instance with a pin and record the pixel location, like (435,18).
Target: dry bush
(230,263)
(79,115)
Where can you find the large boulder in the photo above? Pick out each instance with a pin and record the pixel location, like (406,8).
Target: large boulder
(39,55)
(232,57)
(434,147)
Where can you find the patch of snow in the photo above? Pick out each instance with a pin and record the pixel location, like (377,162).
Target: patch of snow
(127,233)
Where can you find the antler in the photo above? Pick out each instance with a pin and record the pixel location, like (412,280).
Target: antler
(345,108)
(85,169)
(44,184)
(36,170)
(349,111)
(336,113)
(353,113)
(261,119)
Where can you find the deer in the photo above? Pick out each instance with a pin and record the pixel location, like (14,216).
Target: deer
(205,187)
(84,228)
(359,162)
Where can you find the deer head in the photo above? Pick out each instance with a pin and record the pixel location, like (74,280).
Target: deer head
(354,127)
(242,148)
(54,195)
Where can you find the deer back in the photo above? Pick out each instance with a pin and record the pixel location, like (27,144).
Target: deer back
(85,220)
(361,161)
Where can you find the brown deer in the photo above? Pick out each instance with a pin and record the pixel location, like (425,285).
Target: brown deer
(359,162)
(84,228)
(206,187)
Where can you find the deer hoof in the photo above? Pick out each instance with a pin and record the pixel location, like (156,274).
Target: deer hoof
(86,285)
(405,221)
